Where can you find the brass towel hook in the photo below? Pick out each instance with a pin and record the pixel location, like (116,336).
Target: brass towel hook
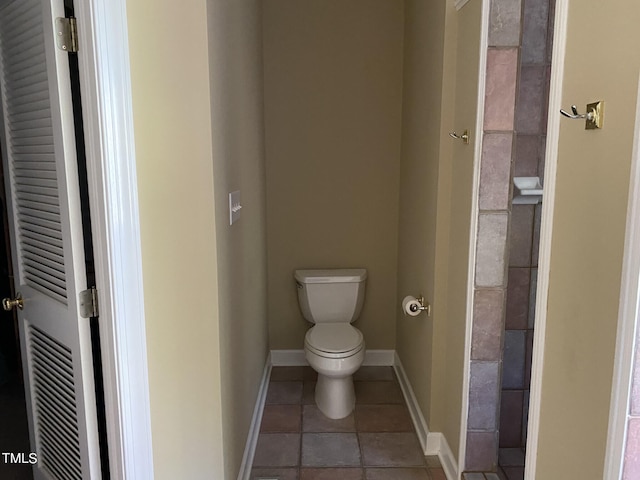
(464,137)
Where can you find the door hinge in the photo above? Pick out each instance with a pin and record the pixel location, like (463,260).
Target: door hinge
(67,34)
(89,303)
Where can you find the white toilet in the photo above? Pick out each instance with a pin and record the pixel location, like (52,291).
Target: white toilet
(332,299)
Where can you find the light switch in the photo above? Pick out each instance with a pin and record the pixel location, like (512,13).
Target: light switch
(234,207)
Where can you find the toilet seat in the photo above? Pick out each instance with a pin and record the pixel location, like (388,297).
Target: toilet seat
(334,340)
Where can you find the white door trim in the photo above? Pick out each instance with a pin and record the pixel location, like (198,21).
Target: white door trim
(546,227)
(627,321)
(473,232)
(108,125)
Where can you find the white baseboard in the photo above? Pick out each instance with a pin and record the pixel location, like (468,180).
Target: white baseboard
(295,358)
(288,358)
(432,443)
(256,420)
(412,403)
(437,445)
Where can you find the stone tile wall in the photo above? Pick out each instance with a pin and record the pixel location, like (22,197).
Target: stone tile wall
(515,114)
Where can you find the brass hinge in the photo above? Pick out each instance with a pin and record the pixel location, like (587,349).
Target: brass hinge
(89,303)
(67,34)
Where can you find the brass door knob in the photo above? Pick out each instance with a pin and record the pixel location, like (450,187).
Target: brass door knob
(9,304)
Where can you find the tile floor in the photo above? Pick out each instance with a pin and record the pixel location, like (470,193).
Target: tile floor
(511,461)
(376,442)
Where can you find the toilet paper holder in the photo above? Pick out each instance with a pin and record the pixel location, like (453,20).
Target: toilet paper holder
(420,306)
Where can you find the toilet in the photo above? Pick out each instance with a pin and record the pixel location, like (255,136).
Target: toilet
(332,300)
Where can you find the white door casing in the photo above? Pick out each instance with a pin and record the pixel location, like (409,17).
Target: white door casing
(47,244)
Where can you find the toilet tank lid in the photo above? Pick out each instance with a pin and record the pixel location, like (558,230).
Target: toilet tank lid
(346,275)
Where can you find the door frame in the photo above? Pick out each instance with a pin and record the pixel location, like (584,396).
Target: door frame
(108,127)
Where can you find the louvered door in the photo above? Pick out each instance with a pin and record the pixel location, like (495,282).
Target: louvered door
(46,230)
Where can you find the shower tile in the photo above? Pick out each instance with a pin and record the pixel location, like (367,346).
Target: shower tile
(482,452)
(518,298)
(543,153)
(280,419)
(550,29)
(534,32)
(495,171)
(277,450)
(330,449)
(391,450)
(514,473)
(433,461)
(533,289)
(631,457)
(483,395)
(525,418)
(511,457)
(504,23)
(521,234)
(513,360)
(313,420)
(528,353)
(511,418)
(488,306)
(490,249)
(502,66)
(530,111)
(527,156)
(535,247)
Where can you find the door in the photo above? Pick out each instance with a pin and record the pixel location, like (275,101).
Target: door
(46,234)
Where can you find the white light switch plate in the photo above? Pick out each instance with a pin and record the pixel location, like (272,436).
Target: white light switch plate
(234,207)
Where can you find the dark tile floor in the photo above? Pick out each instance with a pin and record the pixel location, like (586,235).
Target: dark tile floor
(376,442)
(511,461)
(511,467)
(14,433)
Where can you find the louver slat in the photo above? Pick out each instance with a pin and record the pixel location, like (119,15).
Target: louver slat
(55,406)
(31,149)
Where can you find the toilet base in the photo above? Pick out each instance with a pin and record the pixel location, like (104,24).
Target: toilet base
(335,396)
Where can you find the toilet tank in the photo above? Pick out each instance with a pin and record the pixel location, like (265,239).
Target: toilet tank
(330,296)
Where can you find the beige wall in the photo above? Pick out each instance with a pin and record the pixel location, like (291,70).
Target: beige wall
(199,271)
(440,88)
(235,46)
(172,120)
(468,26)
(419,177)
(587,243)
(333,85)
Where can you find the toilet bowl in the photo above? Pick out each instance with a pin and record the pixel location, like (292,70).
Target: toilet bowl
(332,299)
(335,360)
